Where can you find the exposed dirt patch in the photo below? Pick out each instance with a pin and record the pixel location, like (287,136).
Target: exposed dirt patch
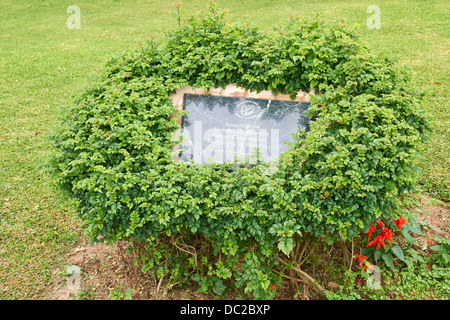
(103,268)
(435,216)
(107,272)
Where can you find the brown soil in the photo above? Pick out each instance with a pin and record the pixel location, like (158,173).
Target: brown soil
(106,267)
(435,217)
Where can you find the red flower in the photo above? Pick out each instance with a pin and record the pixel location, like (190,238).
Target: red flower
(386,234)
(361,259)
(400,222)
(372,229)
(369,266)
(273,286)
(373,242)
(363,262)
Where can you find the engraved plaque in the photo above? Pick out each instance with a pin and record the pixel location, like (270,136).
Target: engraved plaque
(219,128)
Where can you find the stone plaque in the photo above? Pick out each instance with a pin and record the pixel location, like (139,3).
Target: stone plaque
(219,128)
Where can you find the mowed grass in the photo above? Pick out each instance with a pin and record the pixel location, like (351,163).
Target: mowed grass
(43,63)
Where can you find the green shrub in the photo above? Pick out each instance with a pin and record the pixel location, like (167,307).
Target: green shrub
(113,149)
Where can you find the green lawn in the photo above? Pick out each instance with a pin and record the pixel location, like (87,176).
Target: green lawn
(43,63)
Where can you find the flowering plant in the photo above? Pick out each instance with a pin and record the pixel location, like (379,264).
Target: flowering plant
(114,147)
(381,243)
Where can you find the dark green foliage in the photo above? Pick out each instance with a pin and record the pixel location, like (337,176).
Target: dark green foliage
(113,149)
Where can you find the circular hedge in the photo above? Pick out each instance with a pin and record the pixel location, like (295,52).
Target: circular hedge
(113,149)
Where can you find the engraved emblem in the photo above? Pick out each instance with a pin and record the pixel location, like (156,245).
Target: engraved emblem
(248,110)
